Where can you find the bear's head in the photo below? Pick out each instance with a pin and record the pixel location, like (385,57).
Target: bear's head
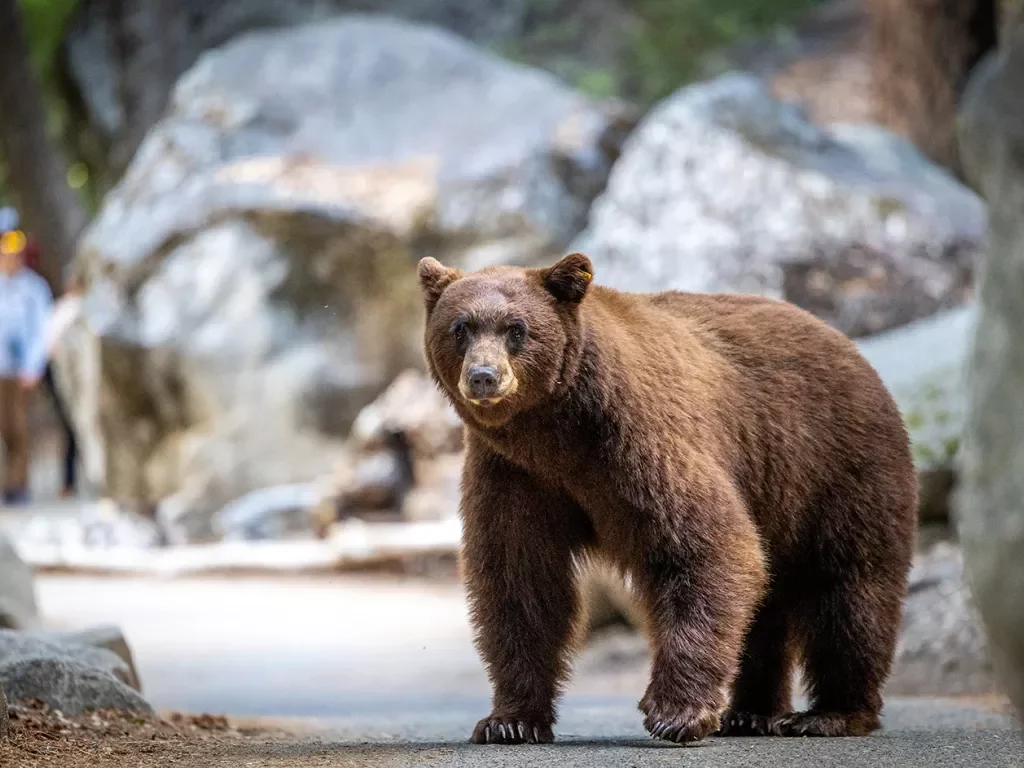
(499,341)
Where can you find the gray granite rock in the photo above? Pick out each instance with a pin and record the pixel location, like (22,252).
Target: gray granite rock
(18,609)
(66,674)
(924,364)
(106,637)
(723,188)
(251,280)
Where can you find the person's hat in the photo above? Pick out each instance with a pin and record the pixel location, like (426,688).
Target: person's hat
(12,239)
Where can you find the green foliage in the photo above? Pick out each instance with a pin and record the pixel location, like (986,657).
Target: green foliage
(597,83)
(675,37)
(45,23)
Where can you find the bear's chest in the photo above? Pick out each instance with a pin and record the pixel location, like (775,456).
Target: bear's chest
(593,462)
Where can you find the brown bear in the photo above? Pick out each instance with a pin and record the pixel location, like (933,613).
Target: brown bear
(732,455)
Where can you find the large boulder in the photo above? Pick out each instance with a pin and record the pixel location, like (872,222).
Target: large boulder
(18,607)
(924,365)
(251,281)
(991,507)
(120,86)
(71,674)
(722,188)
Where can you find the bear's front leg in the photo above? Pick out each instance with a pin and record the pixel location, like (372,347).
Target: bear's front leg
(518,544)
(701,578)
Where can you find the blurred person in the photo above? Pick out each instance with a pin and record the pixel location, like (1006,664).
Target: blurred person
(25,307)
(65,313)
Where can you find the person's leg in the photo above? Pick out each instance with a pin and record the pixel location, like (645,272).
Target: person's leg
(70,463)
(14,433)
(19,443)
(5,431)
(70,446)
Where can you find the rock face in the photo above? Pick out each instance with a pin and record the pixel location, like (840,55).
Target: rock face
(251,281)
(942,648)
(70,675)
(123,89)
(403,457)
(18,609)
(723,188)
(924,365)
(5,723)
(991,506)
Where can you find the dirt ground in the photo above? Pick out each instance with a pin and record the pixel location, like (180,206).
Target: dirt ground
(43,738)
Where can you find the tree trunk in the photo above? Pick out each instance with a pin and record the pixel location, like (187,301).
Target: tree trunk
(142,36)
(990,507)
(922,53)
(36,171)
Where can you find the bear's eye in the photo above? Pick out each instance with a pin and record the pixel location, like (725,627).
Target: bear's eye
(516,333)
(460,329)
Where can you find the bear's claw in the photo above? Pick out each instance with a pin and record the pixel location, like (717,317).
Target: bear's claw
(502,730)
(744,724)
(691,724)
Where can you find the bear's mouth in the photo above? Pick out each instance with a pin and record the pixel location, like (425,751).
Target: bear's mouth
(486,402)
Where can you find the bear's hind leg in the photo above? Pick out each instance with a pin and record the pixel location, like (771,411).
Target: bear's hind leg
(763,687)
(850,632)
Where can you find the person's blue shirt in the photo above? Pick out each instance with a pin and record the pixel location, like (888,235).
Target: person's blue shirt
(25,306)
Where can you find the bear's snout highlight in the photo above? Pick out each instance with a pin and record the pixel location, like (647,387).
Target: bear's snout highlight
(487,377)
(483,382)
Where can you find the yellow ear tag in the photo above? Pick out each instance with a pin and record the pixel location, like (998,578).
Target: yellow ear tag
(587,275)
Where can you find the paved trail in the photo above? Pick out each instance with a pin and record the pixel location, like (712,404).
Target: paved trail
(381,673)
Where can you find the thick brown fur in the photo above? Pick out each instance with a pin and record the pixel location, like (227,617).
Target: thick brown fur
(735,457)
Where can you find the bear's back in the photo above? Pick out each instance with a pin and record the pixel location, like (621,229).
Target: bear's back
(776,392)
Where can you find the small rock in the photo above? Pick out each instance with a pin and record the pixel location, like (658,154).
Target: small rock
(18,608)
(70,686)
(942,648)
(107,637)
(70,676)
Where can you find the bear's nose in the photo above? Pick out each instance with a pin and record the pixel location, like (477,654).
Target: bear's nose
(483,382)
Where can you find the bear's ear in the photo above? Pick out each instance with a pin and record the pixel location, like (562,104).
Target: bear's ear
(569,279)
(434,278)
